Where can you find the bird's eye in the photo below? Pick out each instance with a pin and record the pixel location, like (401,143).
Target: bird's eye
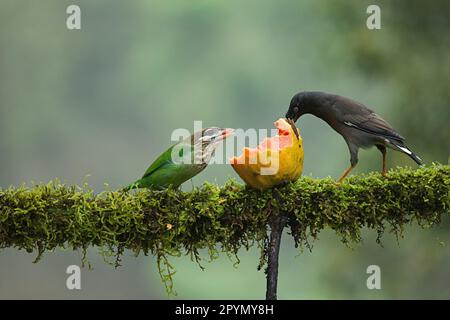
(210,134)
(296,109)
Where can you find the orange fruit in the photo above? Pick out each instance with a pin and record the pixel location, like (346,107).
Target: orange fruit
(275,161)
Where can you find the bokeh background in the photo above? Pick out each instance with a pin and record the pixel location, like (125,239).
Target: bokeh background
(103,101)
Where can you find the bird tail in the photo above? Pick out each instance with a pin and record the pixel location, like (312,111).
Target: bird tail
(134,185)
(411,154)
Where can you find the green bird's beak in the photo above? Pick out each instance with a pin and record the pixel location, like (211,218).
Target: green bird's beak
(214,135)
(225,133)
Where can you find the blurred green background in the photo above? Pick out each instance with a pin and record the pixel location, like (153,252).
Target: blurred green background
(104,100)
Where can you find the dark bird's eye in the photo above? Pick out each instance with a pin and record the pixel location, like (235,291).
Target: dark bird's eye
(296,109)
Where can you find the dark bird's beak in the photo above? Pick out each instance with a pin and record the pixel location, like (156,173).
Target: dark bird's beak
(290,116)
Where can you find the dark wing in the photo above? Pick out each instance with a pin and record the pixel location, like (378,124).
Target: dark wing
(355,114)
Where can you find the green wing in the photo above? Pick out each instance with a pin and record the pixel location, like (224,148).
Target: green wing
(164,159)
(165,171)
(184,150)
(170,174)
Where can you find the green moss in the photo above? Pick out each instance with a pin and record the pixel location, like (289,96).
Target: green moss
(45,217)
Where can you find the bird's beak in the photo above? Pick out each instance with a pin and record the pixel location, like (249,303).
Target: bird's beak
(225,134)
(292,117)
(288,116)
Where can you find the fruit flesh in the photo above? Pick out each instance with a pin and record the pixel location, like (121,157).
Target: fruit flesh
(275,161)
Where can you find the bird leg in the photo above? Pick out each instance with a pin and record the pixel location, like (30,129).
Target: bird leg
(383,152)
(353,148)
(383,171)
(346,172)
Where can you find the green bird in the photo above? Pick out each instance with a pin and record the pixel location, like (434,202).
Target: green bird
(183,160)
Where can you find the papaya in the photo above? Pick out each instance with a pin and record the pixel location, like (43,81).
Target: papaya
(275,161)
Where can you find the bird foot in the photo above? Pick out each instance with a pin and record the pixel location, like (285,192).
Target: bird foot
(340,180)
(345,174)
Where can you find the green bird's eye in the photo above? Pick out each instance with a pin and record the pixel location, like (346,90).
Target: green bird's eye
(210,134)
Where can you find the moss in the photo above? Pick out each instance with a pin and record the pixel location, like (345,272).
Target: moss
(171,222)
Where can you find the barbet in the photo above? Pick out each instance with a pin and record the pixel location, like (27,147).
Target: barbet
(183,160)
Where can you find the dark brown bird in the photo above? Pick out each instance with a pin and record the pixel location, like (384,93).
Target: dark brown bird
(359,126)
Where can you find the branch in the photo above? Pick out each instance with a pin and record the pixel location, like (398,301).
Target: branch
(171,222)
(276,230)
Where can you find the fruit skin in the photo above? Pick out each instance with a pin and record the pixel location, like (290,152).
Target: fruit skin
(289,160)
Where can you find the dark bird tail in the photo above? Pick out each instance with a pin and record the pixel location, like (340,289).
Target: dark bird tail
(416,158)
(411,154)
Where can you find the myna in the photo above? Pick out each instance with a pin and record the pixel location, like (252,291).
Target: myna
(359,126)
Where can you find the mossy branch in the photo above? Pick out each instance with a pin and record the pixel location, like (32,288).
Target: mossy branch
(171,222)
